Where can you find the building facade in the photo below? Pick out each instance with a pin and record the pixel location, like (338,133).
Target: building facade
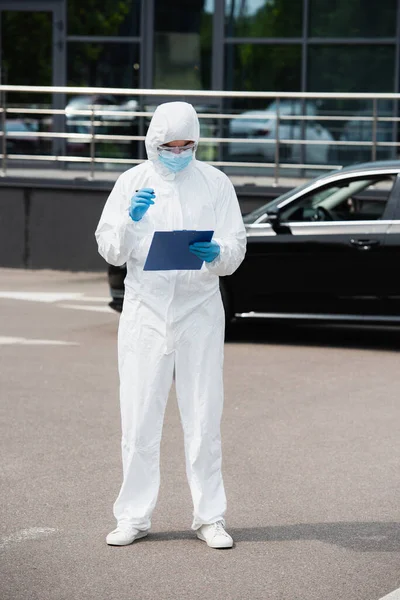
(271,45)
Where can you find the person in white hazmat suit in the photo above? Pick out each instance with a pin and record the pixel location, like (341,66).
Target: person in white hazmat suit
(171,320)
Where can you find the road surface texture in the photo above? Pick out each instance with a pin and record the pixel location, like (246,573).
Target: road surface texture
(311,444)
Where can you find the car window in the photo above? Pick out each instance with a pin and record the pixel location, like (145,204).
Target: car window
(270,206)
(352,200)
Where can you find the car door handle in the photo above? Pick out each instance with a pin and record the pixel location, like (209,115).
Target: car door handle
(364,244)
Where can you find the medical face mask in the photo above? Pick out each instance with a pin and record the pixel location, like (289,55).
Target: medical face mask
(175,162)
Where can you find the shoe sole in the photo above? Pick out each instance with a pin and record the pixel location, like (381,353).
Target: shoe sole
(140,535)
(219,547)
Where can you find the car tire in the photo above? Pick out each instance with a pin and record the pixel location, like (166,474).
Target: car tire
(116,305)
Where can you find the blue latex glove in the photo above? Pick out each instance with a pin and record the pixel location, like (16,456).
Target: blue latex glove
(141,203)
(207,251)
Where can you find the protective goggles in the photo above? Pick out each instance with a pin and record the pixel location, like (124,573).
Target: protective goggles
(177,149)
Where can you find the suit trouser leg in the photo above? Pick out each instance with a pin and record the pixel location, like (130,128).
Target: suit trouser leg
(199,387)
(146,374)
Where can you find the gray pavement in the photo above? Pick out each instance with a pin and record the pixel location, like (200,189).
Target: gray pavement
(311,460)
(240,176)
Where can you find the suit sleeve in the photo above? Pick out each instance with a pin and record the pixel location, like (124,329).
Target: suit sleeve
(116,234)
(230,232)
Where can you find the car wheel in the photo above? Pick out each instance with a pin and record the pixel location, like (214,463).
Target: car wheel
(226,301)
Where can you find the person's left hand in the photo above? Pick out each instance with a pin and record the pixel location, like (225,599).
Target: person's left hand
(207,251)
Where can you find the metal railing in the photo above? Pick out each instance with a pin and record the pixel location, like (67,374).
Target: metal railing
(273,143)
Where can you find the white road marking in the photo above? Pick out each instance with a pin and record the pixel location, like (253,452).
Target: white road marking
(105,309)
(7,341)
(395,595)
(102,299)
(26,534)
(52,297)
(47,297)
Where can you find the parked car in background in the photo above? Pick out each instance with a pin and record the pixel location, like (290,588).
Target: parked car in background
(328,250)
(108,124)
(107,103)
(360,130)
(260,125)
(21,136)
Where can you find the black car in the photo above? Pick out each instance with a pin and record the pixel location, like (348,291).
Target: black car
(327,250)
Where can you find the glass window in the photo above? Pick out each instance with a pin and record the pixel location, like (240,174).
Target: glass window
(103,64)
(257,67)
(351,68)
(359,128)
(29,60)
(357,18)
(349,200)
(362,68)
(183,44)
(260,67)
(263,18)
(104,17)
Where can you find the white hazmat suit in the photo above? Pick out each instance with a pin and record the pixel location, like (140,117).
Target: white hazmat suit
(171,320)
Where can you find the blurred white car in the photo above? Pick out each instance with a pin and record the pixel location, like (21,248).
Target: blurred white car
(101,103)
(114,124)
(261,125)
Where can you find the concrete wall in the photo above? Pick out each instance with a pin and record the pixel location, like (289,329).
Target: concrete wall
(61,230)
(51,225)
(12,228)
(50,229)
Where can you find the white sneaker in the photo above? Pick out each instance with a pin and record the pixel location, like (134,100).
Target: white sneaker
(215,535)
(124,536)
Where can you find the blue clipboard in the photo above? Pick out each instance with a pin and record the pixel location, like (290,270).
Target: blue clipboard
(169,250)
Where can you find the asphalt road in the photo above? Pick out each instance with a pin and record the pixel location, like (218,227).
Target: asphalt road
(311,460)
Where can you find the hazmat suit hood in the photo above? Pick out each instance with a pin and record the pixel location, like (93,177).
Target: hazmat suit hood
(171,121)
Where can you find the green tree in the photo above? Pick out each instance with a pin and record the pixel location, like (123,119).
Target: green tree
(277,18)
(97,17)
(94,18)
(264,67)
(27,39)
(352,18)
(26,52)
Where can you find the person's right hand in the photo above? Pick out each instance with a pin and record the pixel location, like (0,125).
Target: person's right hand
(141,203)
